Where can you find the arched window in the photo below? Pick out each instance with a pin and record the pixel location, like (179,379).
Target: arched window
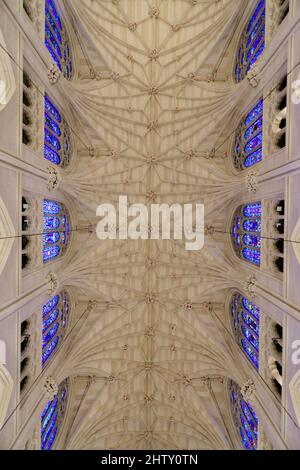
(245,317)
(252,42)
(53,415)
(56,229)
(55,318)
(57,145)
(246,232)
(56,39)
(247,149)
(244,417)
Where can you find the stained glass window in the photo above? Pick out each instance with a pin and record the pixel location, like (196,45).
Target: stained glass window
(247,149)
(57,144)
(246,232)
(245,317)
(244,417)
(252,42)
(56,39)
(56,229)
(55,314)
(53,415)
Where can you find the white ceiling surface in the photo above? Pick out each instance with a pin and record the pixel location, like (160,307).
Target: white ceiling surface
(152,338)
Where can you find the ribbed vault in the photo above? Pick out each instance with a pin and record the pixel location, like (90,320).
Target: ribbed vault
(155,116)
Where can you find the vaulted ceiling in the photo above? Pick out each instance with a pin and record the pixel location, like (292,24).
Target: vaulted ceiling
(156,97)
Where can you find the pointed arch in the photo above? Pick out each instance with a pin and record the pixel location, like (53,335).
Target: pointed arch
(252,42)
(56,229)
(57,40)
(246,232)
(53,415)
(244,418)
(245,319)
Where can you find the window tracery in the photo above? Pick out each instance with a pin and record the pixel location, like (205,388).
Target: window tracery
(248,142)
(56,229)
(55,318)
(58,144)
(245,318)
(244,418)
(252,42)
(57,40)
(246,232)
(53,415)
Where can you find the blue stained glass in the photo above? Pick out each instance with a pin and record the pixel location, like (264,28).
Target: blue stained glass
(51,155)
(252,256)
(54,242)
(250,322)
(245,322)
(255,112)
(250,416)
(45,422)
(252,411)
(49,430)
(51,6)
(51,207)
(251,210)
(52,416)
(252,42)
(51,319)
(56,39)
(45,410)
(51,238)
(255,45)
(49,106)
(247,150)
(51,124)
(253,143)
(51,223)
(247,431)
(252,225)
(245,440)
(255,15)
(256,57)
(254,128)
(50,139)
(53,25)
(253,158)
(253,309)
(246,243)
(250,337)
(50,305)
(51,439)
(252,240)
(254,31)
(50,252)
(52,41)
(49,350)
(246,422)
(50,334)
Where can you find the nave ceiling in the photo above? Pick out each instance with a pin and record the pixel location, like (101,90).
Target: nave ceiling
(155,122)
